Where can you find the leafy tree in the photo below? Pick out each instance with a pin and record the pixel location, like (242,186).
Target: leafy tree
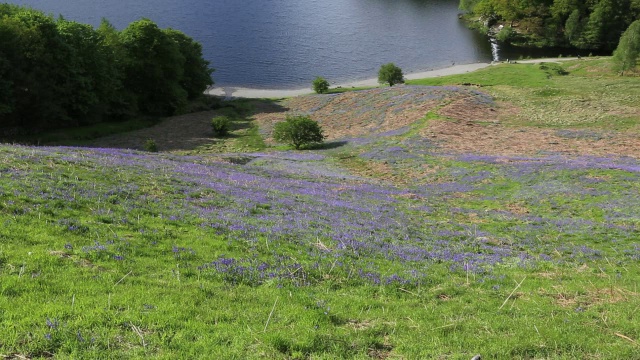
(154,68)
(572,26)
(60,73)
(320,85)
(34,77)
(92,73)
(196,76)
(390,74)
(589,24)
(298,130)
(121,103)
(625,57)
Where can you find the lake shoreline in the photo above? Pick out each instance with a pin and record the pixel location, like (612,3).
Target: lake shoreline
(243,92)
(230,92)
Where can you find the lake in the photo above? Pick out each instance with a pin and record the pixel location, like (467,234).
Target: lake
(287,43)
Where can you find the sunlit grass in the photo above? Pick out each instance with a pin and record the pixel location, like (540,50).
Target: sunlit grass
(378,247)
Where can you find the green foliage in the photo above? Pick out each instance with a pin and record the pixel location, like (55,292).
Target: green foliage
(390,74)
(298,130)
(320,85)
(220,125)
(60,73)
(625,57)
(151,146)
(572,27)
(594,24)
(196,75)
(506,34)
(110,254)
(33,71)
(153,69)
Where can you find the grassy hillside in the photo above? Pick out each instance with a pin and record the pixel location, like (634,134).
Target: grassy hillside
(438,222)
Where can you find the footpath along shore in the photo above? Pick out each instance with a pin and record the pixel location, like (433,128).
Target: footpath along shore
(241,92)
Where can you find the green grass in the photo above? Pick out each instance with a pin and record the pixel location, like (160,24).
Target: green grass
(516,75)
(109,253)
(71,302)
(590,95)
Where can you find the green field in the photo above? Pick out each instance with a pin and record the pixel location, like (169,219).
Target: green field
(390,244)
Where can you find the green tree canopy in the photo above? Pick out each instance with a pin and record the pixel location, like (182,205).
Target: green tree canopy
(320,85)
(154,68)
(625,57)
(591,24)
(57,73)
(196,76)
(298,130)
(390,74)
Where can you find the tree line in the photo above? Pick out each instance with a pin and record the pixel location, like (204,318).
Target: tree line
(584,24)
(57,73)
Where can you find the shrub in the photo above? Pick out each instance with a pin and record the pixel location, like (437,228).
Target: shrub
(320,85)
(298,130)
(151,146)
(390,74)
(220,125)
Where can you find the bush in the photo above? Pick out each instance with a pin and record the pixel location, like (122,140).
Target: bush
(151,146)
(220,125)
(390,74)
(320,85)
(298,130)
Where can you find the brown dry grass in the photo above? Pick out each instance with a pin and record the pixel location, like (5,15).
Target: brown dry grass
(465,126)
(465,136)
(367,112)
(589,297)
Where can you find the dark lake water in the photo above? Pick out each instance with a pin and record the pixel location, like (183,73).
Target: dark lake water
(286,43)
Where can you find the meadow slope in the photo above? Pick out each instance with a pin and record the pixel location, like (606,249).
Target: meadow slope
(436,222)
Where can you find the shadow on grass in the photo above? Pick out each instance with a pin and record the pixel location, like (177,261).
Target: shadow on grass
(326,145)
(179,133)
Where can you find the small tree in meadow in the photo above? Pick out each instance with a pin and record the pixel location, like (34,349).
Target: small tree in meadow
(220,125)
(298,130)
(390,74)
(320,85)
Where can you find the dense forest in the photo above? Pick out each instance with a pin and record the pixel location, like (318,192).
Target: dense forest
(56,73)
(584,24)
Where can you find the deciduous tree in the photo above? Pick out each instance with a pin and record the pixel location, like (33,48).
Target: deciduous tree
(320,85)
(390,74)
(154,68)
(625,57)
